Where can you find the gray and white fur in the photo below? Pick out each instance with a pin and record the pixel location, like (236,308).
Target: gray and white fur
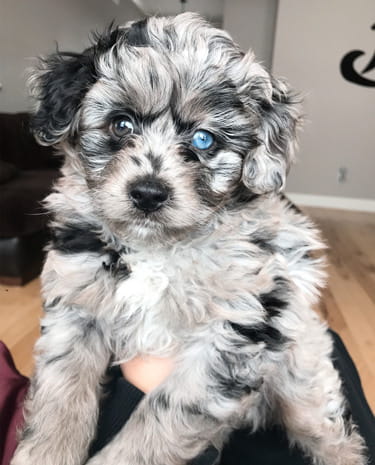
(162,248)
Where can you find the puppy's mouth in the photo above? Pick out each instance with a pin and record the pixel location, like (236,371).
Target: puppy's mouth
(149,217)
(146,220)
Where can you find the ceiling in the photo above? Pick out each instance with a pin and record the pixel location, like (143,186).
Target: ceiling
(211,9)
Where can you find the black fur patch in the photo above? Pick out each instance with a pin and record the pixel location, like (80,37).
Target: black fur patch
(62,88)
(116,266)
(156,162)
(275,300)
(277,116)
(153,79)
(221,97)
(137,34)
(163,401)
(262,243)
(57,358)
(89,325)
(135,160)
(291,205)
(232,388)
(160,403)
(189,155)
(27,433)
(264,332)
(71,239)
(263,239)
(192,409)
(62,84)
(181,126)
(114,145)
(242,195)
(102,42)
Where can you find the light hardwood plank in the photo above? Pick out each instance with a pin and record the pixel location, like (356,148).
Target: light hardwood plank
(348,303)
(20,312)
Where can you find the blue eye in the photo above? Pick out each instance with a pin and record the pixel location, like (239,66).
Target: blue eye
(202,140)
(122,126)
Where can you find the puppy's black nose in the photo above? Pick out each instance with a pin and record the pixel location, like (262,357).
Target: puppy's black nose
(149,195)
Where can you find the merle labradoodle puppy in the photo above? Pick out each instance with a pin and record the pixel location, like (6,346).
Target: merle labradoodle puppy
(171,238)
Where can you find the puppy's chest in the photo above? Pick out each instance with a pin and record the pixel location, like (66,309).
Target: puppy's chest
(169,283)
(166,296)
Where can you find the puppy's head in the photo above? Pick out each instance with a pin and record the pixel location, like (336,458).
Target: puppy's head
(167,120)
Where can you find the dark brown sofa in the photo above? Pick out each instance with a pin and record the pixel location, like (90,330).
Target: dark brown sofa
(27,172)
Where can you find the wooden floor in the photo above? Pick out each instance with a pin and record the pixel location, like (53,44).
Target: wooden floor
(348,303)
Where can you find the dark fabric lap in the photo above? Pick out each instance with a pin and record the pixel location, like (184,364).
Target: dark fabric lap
(13,388)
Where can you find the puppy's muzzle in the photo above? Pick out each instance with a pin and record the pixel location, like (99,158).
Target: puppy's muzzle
(149,195)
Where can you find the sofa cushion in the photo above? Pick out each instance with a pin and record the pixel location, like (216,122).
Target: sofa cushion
(7,172)
(21,258)
(18,146)
(21,210)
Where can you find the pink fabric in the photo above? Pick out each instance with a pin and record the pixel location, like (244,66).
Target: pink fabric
(13,388)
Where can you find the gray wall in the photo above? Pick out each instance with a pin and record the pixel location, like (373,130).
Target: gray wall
(311,39)
(29,28)
(252,24)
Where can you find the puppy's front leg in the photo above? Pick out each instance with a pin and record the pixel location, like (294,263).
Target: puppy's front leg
(62,403)
(313,407)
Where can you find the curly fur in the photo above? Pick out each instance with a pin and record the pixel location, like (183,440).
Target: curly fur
(223,277)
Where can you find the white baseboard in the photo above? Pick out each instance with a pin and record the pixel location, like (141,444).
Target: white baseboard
(327,201)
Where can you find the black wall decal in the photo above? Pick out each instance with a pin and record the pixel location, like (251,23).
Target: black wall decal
(349,72)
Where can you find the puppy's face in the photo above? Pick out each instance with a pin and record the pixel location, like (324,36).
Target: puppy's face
(167,121)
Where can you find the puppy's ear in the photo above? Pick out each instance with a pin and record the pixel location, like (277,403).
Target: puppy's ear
(58,86)
(276,111)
